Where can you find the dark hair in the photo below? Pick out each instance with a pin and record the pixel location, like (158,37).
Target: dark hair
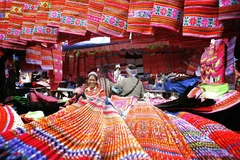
(132,66)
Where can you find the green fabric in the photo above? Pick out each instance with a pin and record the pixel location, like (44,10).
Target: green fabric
(20,100)
(35,115)
(63,100)
(213,90)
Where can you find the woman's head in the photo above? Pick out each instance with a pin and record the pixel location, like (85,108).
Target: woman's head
(131,70)
(92,79)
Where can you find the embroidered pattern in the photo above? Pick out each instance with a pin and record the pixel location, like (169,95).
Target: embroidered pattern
(201,22)
(139,14)
(55,14)
(30,7)
(167,12)
(114,21)
(44,29)
(74,21)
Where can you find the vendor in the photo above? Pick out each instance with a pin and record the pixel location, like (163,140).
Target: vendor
(93,90)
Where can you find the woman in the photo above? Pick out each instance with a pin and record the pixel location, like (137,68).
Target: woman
(131,86)
(92,90)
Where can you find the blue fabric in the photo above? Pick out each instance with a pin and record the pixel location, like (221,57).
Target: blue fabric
(180,86)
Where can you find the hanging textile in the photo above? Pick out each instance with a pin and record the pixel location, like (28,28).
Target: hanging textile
(147,63)
(82,65)
(229,9)
(168,14)
(29,17)
(15,23)
(74,17)
(230,63)
(47,59)
(219,62)
(95,10)
(201,19)
(139,17)
(55,13)
(70,55)
(154,64)
(57,64)
(33,55)
(162,63)
(114,19)
(98,59)
(42,32)
(75,67)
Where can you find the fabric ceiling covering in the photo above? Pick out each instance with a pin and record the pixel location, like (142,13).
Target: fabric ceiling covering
(25,21)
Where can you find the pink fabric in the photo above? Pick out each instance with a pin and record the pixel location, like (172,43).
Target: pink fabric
(42,97)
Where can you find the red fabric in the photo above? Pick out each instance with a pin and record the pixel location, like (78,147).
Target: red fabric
(47,59)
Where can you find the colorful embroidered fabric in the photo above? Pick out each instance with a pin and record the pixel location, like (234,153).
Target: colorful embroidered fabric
(168,14)
(156,133)
(114,18)
(55,13)
(222,136)
(201,19)
(230,63)
(92,129)
(29,17)
(84,130)
(123,103)
(9,119)
(219,62)
(199,141)
(229,9)
(42,32)
(139,17)
(15,22)
(95,10)
(74,17)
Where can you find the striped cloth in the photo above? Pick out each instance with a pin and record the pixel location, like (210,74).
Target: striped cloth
(199,141)
(114,18)
(95,10)
(229,9)
(29,16)
(9,119)
(222,136)
(55,12)
(139,17)
(168,14)
(93,129)
(201,19)
(15,23)
(74,17)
